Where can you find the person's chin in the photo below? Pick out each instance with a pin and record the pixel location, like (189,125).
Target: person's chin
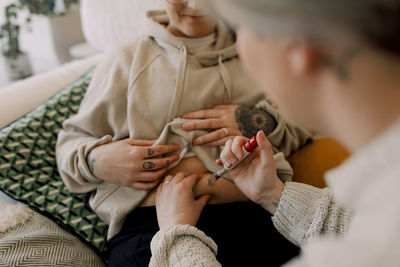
(190,33)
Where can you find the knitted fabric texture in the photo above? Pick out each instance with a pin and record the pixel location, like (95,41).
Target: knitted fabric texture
(41,242)
(171,246)
(305,212)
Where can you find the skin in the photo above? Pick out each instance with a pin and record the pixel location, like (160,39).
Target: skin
(131,163)
(237,120)
(265,192)
(353,103)
(217,118)
(188,20)
(180,186)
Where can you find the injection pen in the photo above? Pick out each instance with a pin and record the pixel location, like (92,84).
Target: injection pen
(246,148)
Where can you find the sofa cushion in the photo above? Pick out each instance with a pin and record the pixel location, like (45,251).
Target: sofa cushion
(28,170)
(312,161)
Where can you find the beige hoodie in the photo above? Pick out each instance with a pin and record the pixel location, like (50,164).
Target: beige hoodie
(137,92)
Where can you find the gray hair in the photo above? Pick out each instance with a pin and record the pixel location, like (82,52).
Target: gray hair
(375,21)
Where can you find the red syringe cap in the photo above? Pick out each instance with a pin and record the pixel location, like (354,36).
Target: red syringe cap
(251,144)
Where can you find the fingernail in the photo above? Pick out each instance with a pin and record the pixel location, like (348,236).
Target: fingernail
(260,137)
(227,164)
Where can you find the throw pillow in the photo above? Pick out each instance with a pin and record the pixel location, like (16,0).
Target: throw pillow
(28,170)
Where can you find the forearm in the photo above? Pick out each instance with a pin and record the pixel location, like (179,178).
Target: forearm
(305,212)
(183,245)
(272,199)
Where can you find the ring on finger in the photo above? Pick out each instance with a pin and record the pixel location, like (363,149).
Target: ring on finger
(225,131)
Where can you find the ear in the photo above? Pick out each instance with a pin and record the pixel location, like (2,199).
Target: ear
(303,58)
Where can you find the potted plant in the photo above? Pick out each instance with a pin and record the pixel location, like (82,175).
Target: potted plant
(17,61)
(48,7)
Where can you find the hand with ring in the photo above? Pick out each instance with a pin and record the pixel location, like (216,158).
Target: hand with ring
(221,119)
(132,163)
(175,201)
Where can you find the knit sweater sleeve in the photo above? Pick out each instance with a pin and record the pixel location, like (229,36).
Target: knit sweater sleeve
(305,212)
(183,245)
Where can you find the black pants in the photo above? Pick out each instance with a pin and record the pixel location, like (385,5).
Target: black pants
(243,232)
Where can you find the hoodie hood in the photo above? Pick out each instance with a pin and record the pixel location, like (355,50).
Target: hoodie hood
(225,45)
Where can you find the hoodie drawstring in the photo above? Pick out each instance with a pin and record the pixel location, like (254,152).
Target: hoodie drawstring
(225,77)
(180,80)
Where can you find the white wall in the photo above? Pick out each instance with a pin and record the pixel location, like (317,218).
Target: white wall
(3,77)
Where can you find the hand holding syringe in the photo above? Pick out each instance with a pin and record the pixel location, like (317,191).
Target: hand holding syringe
(247,148)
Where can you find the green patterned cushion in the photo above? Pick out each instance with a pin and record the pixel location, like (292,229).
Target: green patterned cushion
(28,170)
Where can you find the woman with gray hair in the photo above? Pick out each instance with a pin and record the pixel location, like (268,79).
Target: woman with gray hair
(334,67)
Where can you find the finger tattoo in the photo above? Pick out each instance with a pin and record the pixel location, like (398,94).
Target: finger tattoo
(148,165)
(150,152)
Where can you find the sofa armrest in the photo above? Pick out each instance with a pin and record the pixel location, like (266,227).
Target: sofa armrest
(312,161)
(23,96)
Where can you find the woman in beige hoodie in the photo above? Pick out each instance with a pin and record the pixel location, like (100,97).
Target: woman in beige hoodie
(141,91)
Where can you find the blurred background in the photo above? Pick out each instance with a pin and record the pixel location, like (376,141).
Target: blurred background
(38,35)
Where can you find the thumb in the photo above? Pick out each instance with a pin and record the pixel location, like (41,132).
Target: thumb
(202,201)
(265,146)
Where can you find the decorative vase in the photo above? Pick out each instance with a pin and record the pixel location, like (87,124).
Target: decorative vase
(18,67)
